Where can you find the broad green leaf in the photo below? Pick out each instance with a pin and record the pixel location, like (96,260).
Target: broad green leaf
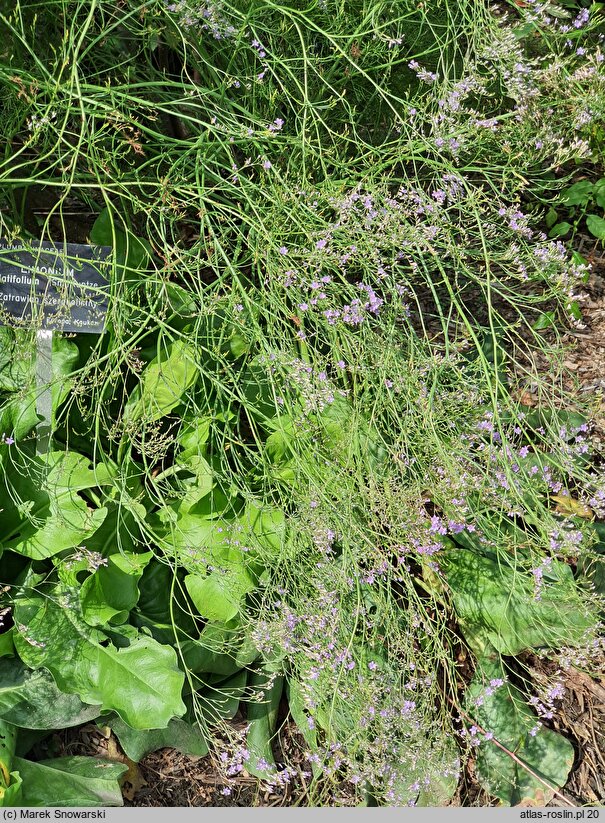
(219,595)
(51,516)
(163,384)
(177,735)
(65,356)
(193,438)
(349,434)
(551,218)
(70,781)
(16,371)
(266,524)
(505,714)
(578,194)
(219,651)
(11,795)
(8,740)
(262,722)
(7,647)
(131,253)
(221,701)
(259,391)
(162,602)
(194,535)
(496,604)
(141,682)
(599,193)
(119,531)
(18,417)
(545,321)
(574,310)
(560,230)
(596,226)
(31,699)
(108,595)
(70,470)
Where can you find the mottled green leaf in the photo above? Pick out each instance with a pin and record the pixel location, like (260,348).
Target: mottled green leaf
(504,713)
(31,699)
(496,604)
(70,781)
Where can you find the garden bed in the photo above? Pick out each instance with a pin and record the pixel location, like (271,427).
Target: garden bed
(319,518)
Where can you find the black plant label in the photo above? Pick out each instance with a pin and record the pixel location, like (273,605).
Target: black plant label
(47,286)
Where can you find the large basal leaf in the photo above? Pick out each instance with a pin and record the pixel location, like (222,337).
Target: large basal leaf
(108,595)
(51,516)
(65,355)
(141,682)
(131,253)
(505,714)
(221,700)
(218,596)
(177,735)
(11,795)
(219,651)
(31,699)
(162,601)
(262,722)
(163,383)
(496,604)
(211,539)
(8,740)
(70,781)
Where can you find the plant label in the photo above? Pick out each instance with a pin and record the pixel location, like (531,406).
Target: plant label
(47,286)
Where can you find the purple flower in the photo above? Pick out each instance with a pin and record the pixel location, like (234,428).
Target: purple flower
(283,250)
(267,164)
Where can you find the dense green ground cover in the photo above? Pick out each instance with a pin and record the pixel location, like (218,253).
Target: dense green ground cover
(297,464)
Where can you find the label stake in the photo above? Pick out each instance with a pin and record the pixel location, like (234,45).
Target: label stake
(44,399)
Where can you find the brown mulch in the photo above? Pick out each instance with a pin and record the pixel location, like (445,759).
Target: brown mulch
(581,718)
(168,778)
